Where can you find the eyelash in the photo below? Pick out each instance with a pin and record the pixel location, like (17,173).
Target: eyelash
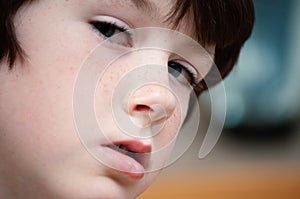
(96,23)
(193,75)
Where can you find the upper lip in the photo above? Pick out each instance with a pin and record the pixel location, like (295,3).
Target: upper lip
(134,149)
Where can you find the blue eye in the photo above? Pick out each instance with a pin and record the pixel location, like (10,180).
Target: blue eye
(182,73)
(108,27)
(175,69)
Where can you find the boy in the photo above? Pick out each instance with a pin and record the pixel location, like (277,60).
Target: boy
(43,47)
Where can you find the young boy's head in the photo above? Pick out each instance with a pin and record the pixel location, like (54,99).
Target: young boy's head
(43,46)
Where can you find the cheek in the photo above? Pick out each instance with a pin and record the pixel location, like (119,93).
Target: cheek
(167,135)
(36,98)
(35,116)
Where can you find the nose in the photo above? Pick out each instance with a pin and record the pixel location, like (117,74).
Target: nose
(151,105)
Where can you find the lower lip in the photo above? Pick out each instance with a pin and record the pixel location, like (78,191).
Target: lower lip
(122,163)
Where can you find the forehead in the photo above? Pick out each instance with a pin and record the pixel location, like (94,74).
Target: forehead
(154,8)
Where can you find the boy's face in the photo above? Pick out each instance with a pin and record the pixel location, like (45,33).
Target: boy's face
(40,150)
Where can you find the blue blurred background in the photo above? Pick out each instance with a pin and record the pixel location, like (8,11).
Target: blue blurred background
(264,89)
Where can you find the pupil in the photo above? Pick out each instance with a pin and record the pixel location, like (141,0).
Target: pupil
(174,69)
(107,30)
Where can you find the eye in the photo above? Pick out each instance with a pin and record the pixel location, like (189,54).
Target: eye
(182,71)
(108,27)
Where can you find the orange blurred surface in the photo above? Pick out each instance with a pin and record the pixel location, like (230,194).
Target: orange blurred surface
(261,182)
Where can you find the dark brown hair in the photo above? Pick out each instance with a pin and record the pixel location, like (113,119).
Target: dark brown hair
(9,45)
(224,23)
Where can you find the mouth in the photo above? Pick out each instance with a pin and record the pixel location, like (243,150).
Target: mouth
(125,151)
(128,157)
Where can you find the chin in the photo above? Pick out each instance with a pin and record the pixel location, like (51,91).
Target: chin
(108,186)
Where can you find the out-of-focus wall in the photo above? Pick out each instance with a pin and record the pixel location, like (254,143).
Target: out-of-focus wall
(263,90)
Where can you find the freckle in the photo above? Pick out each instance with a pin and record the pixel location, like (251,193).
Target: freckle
(103,85)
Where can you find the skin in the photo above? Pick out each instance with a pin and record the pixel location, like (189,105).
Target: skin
(40,151)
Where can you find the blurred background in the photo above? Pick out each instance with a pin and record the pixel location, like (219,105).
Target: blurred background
(258,153)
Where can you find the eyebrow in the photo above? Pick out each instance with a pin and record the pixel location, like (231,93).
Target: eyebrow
(144,5)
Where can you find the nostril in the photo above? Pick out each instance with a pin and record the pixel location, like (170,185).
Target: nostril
(150,105)
(142,108)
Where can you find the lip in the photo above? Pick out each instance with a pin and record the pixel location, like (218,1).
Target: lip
(128,157)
